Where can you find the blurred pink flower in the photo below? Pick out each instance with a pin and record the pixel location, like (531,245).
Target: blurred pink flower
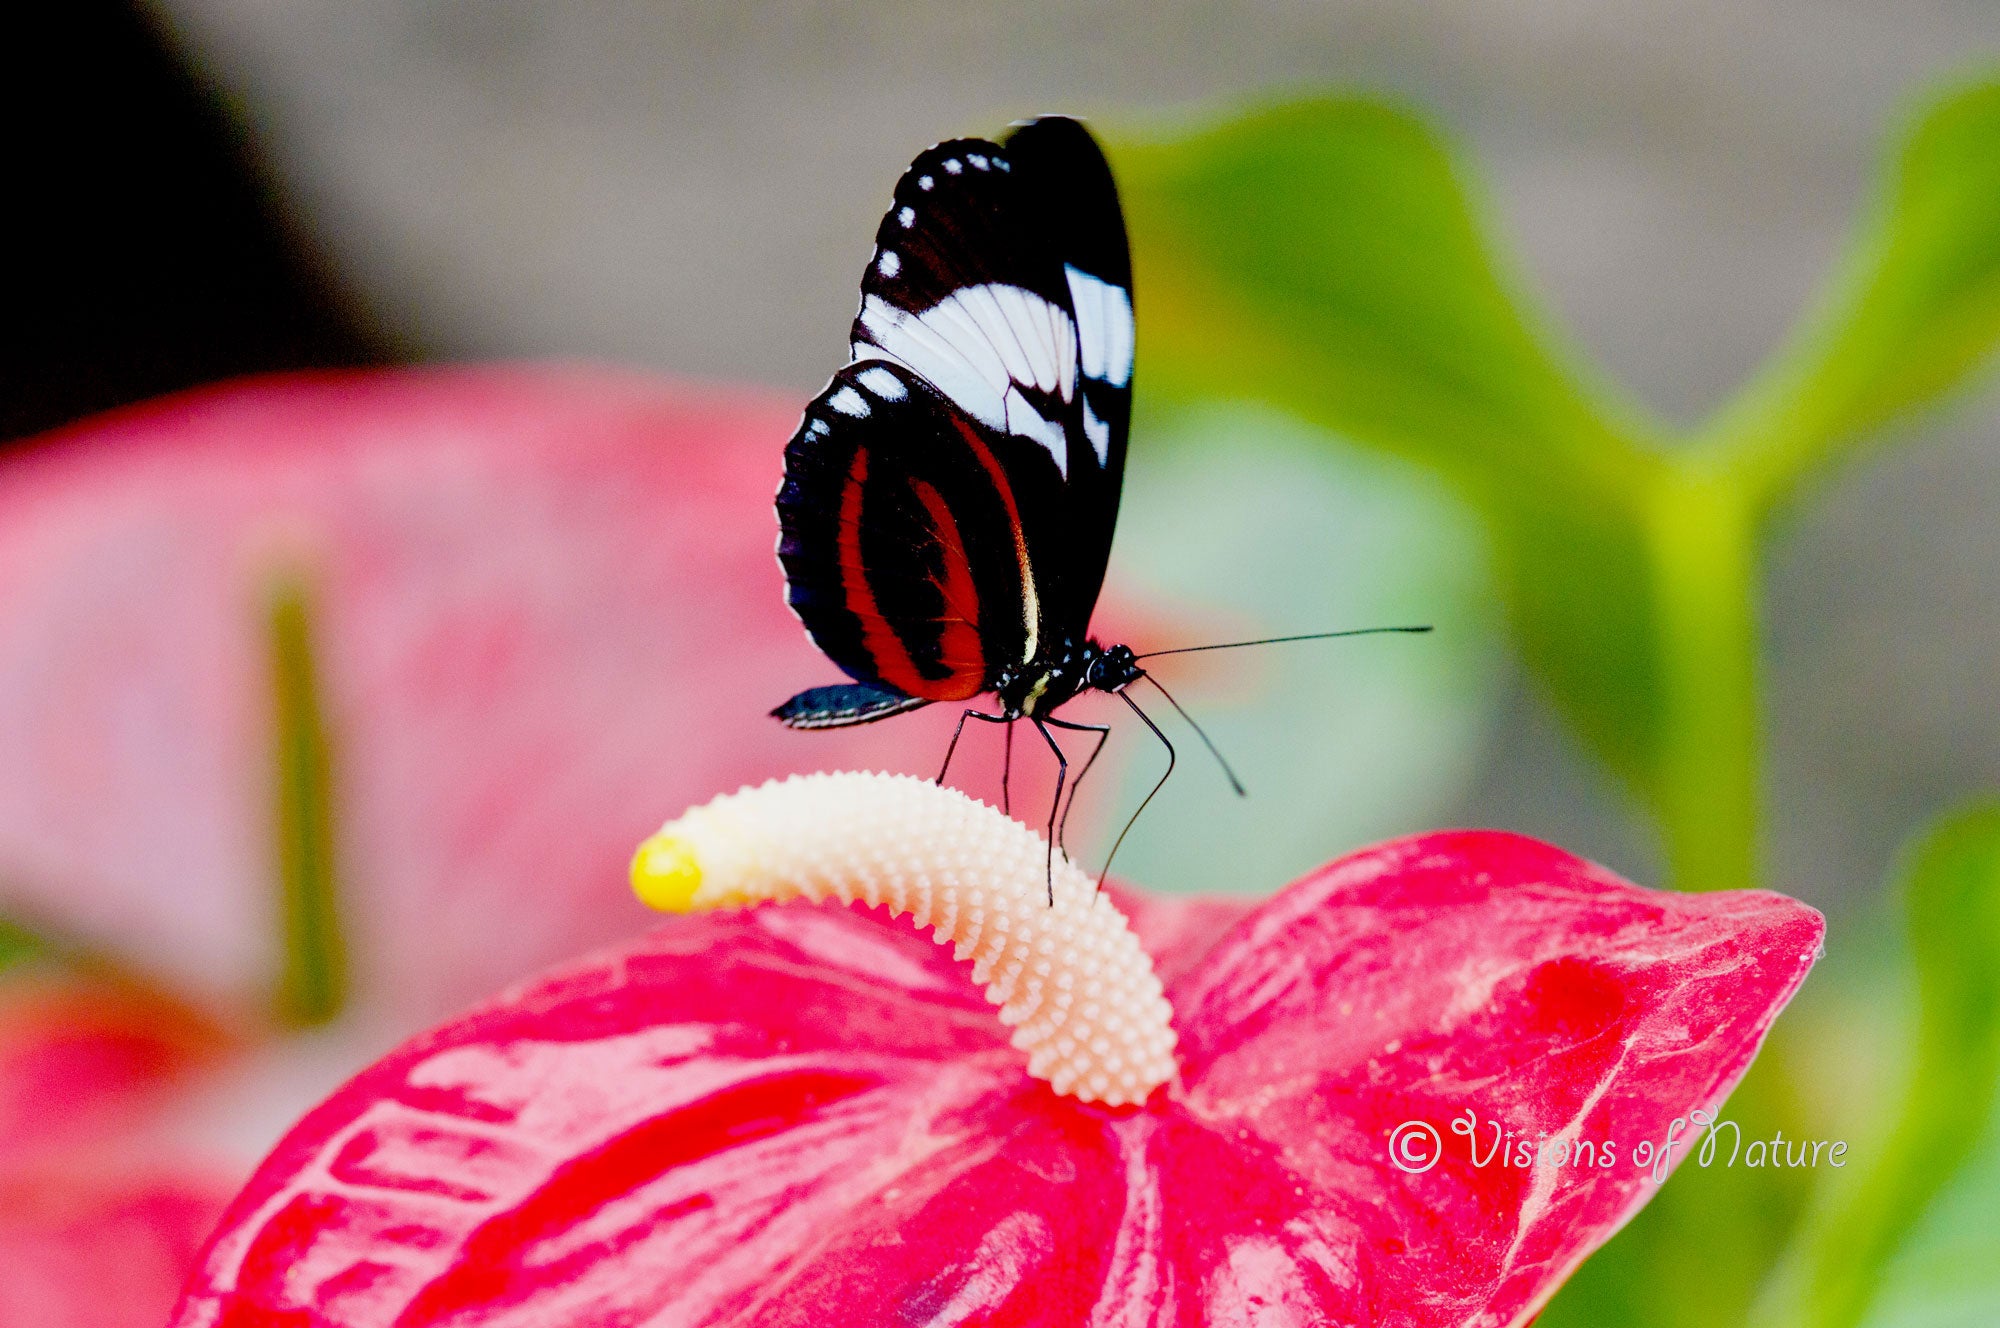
(544,605)
(807,1115)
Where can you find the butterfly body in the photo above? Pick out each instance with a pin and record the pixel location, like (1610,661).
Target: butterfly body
(1036,688)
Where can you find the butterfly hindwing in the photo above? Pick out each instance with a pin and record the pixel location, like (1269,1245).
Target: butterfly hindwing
(842,705)
(905,530)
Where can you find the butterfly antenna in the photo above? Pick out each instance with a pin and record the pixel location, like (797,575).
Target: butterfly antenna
(1213,750)
(1278,641)
(1148,721)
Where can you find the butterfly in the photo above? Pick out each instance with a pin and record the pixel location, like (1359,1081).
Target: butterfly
(949,498)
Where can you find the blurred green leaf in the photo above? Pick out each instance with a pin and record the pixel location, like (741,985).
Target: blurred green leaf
(1947,1273)
(1326,257)
(1952,893)
(313,986)
(1341,743)
(1915,310)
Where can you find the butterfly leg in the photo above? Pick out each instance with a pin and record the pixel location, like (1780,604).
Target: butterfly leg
(1062,777)
(1007,773)
(964,715)
(1103,732)
(1164,776)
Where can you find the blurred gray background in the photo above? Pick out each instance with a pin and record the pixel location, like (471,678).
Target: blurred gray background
(694,187)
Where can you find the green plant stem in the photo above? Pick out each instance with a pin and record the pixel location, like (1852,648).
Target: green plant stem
(1702,535)
(312,987)
(18,944)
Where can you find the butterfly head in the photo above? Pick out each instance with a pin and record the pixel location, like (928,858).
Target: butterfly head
(1111,668)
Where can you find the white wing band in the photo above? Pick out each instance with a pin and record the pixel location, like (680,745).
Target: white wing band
(1103,326)
(981,345)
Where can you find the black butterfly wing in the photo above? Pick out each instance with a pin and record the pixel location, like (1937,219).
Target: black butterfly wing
(904,530)
(1066,181)
(1001,277)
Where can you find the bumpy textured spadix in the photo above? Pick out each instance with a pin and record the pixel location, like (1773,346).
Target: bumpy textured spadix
(1070,978)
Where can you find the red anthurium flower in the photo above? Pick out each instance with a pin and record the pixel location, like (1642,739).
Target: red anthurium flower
(808,1114)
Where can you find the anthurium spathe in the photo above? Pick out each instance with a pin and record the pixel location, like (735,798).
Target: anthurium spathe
(807,1113)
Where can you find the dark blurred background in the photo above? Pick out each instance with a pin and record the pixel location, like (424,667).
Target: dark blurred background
(211,187)
(150,249)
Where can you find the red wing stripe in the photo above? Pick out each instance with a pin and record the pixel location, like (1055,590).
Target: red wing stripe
(959,646)
(886,650)
(1031,609)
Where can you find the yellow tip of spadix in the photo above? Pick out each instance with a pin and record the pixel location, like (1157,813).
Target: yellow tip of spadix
(665,874)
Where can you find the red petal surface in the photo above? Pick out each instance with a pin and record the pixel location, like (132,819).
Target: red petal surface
(547,608)
(81,1061)
(94,1233)
(99,1251)
(810,1116)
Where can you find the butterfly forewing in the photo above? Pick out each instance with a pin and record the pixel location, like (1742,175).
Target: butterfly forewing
(1001,277)
(1066,182)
